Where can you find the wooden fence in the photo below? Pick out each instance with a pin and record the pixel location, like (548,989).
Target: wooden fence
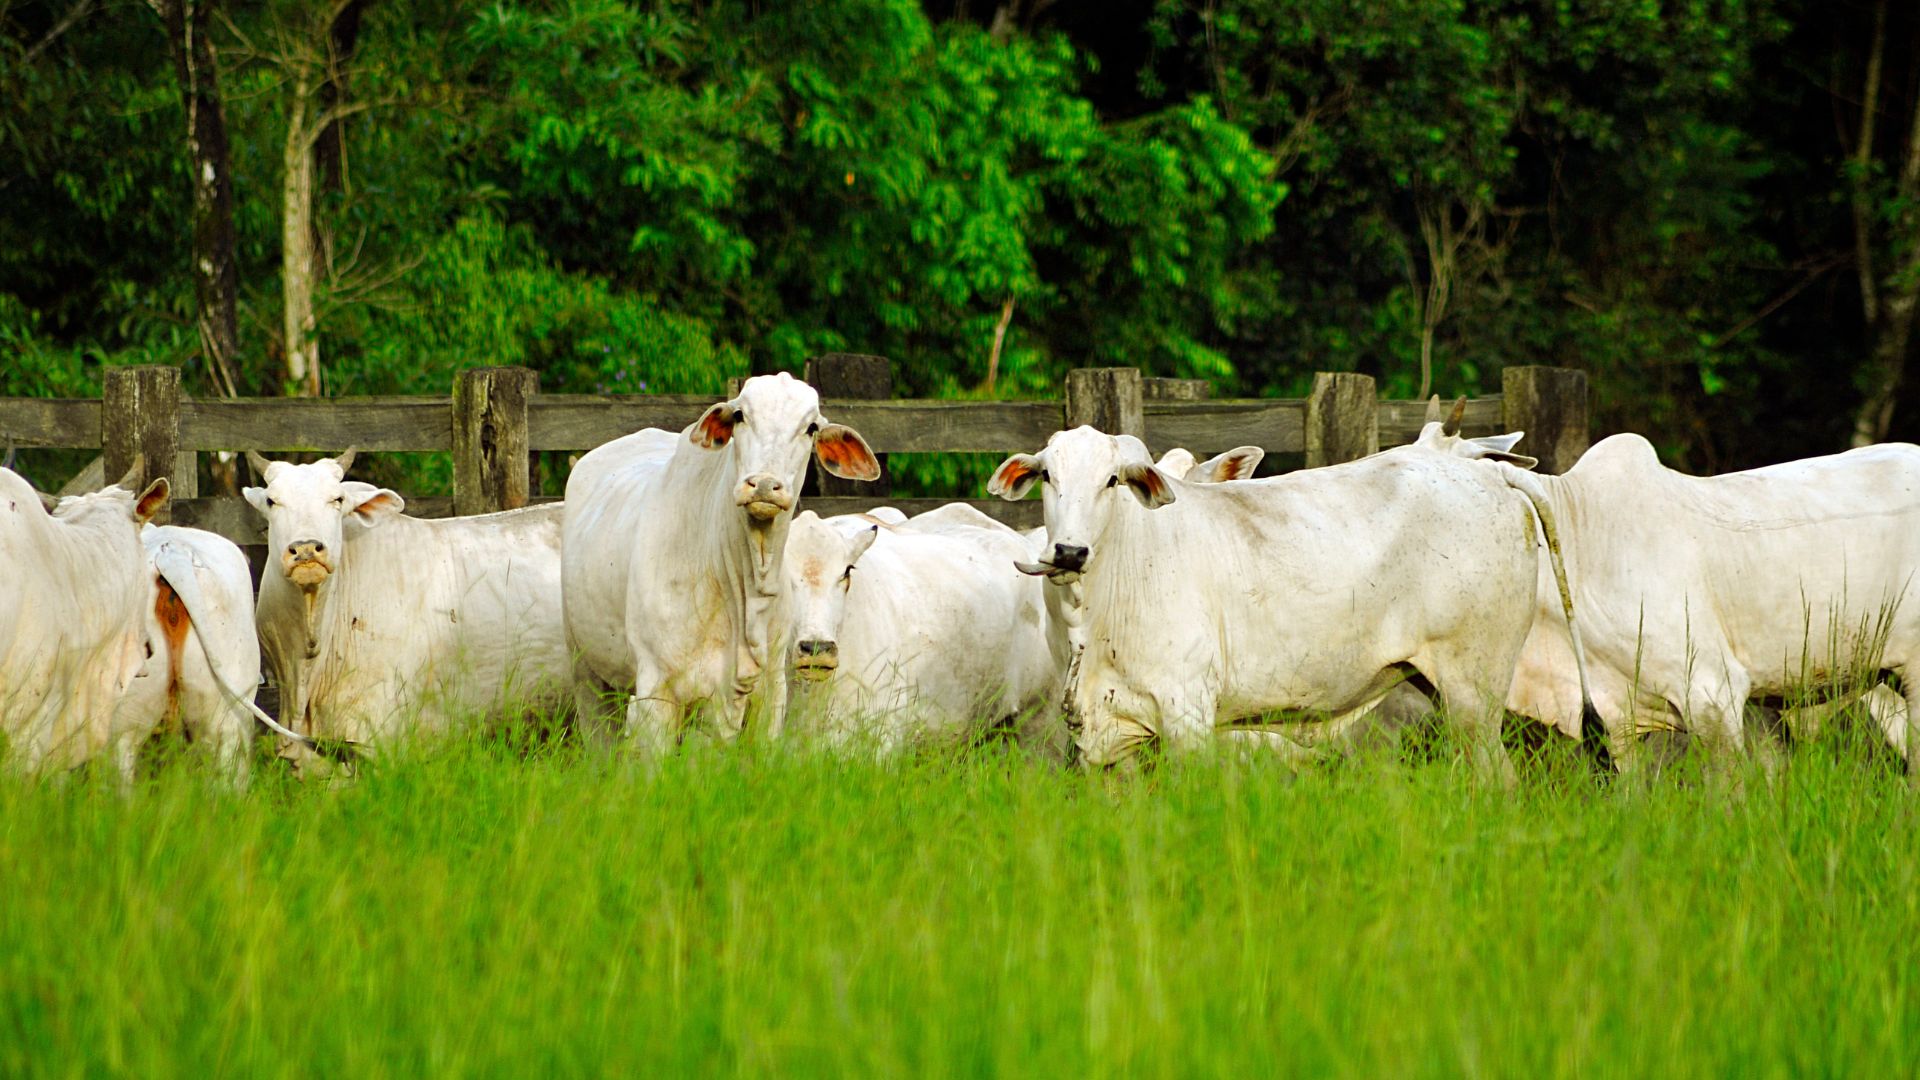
(495,418)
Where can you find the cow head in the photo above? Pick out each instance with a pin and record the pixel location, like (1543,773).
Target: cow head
(821,557)
(307,508)
(1085,476)
(771,427)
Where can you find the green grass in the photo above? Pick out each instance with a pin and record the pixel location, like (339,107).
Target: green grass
(757,913)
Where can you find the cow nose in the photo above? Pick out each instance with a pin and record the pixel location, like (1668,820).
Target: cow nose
(816,647)
(1070,556)
(306,549)
(768,485)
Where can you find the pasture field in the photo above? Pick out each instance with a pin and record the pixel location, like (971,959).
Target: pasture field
(481,912)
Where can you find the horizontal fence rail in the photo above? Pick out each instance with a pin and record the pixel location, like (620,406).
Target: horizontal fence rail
(495,418)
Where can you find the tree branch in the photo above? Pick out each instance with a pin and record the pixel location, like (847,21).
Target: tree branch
(73,15)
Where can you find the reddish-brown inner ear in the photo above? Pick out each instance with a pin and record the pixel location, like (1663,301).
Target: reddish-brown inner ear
(384,501)
(846,454)
(715,426)
(1011,474)
(1238,467)
(150,500)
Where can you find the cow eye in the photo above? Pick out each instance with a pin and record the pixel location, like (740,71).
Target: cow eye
(848,576)
(1113,480)
(813,428)
(1044,478)
(270,503)
(339,500)
(739,416)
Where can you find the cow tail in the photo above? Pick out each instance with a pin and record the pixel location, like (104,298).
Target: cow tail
(1529,485)
(176,567)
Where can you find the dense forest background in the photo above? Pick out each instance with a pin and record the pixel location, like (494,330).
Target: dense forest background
(1712,206)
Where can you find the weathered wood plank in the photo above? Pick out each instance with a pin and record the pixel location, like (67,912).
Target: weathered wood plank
(140,428)
(850,375)
(1550,405)
(1106,399)
(1343,418)
(1276,425)
(584,421)
(1401,421)
(327,425)
(1158,389)
(57,423)
(490,465)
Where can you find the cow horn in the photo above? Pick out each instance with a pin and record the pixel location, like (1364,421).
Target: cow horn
(1452,426)
(132,477)
(258,464)
(345,460)
(1433,409)
(7,462)
(48,501)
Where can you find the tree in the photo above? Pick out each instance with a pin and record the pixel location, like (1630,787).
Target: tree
(215,269)
(1885,200)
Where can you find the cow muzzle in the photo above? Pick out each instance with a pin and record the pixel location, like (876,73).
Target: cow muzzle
(1065,565)
(764,496)
(306,563)
(817,659)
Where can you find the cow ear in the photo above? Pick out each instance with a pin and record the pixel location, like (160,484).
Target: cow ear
(1236,464)
(862,542)
(1015,477)
(1177,462)
(372,505)
(257,497)
(151,500)
(845,454)
(1147,483)
(714,429)
(1496,448)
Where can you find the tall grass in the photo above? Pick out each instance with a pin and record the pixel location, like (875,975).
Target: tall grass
(753,912)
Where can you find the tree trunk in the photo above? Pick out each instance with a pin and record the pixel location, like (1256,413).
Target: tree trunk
(216,277)
(329,144)
(296,246)
(1899,291)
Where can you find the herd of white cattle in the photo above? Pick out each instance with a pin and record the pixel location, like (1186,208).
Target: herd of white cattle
(1180,602)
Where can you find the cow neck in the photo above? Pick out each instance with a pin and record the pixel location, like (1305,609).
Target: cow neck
(749,556)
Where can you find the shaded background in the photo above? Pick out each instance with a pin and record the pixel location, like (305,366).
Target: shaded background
(1712,207)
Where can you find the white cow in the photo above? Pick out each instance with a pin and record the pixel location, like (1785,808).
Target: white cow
(71,633)
(1213,603)
(675,550)
(920,631)
(1701,592)
(203,657)
(378,625)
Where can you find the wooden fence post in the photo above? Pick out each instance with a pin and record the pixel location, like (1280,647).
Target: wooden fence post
(490,463)
(861,378)
(1343,418)
(1550,405)
(140,417)
(1107,399)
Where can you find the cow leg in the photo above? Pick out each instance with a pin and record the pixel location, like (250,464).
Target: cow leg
(1715,714)
(1186,725)
(1475,703)
(1259,742)
(653,722)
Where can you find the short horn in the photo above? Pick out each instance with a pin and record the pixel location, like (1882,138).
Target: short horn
(345,460)
(1452,426)
(258,464)
(48,501)
(12,452)
(1433,409)
(131,480)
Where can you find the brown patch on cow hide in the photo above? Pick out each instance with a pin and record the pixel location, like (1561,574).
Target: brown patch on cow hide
(175,624)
